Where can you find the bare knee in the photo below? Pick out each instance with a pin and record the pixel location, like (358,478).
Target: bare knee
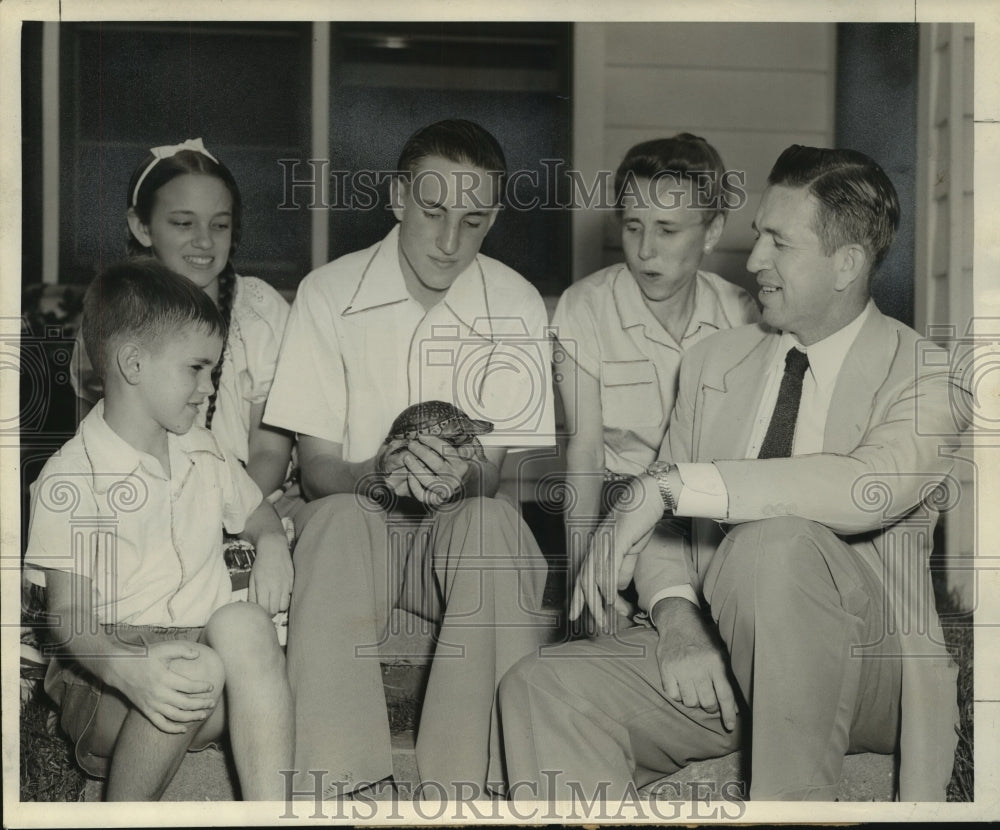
(239,619)
(206,667)
(242,629)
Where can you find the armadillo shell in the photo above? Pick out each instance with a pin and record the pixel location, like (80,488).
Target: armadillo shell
(437,418)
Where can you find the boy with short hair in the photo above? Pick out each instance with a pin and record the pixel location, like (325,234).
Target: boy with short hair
(127,521)
(420,316)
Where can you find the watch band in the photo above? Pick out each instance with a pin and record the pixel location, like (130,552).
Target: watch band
(659,470)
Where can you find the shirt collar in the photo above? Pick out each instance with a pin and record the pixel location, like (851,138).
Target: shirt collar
(382,284)
(633,311)
(468,300)
(381,281)
(826,356)
(111,457)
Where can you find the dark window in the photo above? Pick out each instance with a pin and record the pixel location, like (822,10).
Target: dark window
(243,88)
(389,79)
(31,152)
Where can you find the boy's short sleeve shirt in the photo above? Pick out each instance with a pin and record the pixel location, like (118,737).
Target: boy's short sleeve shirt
(358,349)
(609,333)
(150,543)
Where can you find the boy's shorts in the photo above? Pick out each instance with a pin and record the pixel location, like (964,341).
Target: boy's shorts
(84,699)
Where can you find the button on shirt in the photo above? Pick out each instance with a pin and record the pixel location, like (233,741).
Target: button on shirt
(150,543)
(604,324)
(358,350)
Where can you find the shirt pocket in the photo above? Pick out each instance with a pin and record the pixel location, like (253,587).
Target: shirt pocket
(630,394)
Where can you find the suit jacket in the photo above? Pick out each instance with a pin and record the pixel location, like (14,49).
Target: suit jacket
(892,424)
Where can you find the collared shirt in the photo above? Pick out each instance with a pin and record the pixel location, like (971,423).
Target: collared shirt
(603,323)
(358,350)
(704,493)
(151,543)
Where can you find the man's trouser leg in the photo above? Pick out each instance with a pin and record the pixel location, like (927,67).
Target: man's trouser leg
(483,577)
(795,605)
(340,605)
(590,719)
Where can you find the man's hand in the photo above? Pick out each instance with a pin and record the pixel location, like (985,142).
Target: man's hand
(172,703)
(389,459)
(613,550)
(692,662)
(436,470)
(271,574)
(394,473)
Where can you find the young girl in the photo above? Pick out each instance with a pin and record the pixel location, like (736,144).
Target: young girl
(184,208)
(622,331)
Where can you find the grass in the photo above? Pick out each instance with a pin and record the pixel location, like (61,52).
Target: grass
(958,634)
(48,770)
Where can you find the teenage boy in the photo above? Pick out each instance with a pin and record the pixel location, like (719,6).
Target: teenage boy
(419,316)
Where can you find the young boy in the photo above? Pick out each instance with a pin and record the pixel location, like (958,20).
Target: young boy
(127,521)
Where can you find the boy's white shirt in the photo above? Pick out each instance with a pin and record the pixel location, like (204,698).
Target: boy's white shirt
(358,349)
(151,543)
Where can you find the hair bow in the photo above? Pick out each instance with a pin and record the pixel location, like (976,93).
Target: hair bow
(168,151)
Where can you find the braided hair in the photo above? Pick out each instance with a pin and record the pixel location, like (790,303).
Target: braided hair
(147,179)
(227,293)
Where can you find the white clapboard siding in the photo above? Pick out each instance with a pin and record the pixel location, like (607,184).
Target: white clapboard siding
(945,245)
(790,46)
(750,89)
(725,99)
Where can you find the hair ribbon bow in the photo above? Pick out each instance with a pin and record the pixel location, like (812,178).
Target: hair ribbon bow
(168,151)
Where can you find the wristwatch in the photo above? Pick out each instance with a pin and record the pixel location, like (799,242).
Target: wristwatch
(659,470)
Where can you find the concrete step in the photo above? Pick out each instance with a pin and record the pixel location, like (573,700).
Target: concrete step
(202,776)
(208,776)
(866,776)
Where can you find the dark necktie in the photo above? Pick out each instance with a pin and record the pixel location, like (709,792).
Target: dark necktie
(781,430)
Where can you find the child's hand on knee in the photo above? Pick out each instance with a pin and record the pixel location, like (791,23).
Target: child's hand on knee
(271,575)
(171,701)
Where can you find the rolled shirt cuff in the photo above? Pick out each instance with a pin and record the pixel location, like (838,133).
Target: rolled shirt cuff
(703,493)
(685,591)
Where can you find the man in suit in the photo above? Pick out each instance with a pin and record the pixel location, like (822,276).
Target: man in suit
(795,619)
